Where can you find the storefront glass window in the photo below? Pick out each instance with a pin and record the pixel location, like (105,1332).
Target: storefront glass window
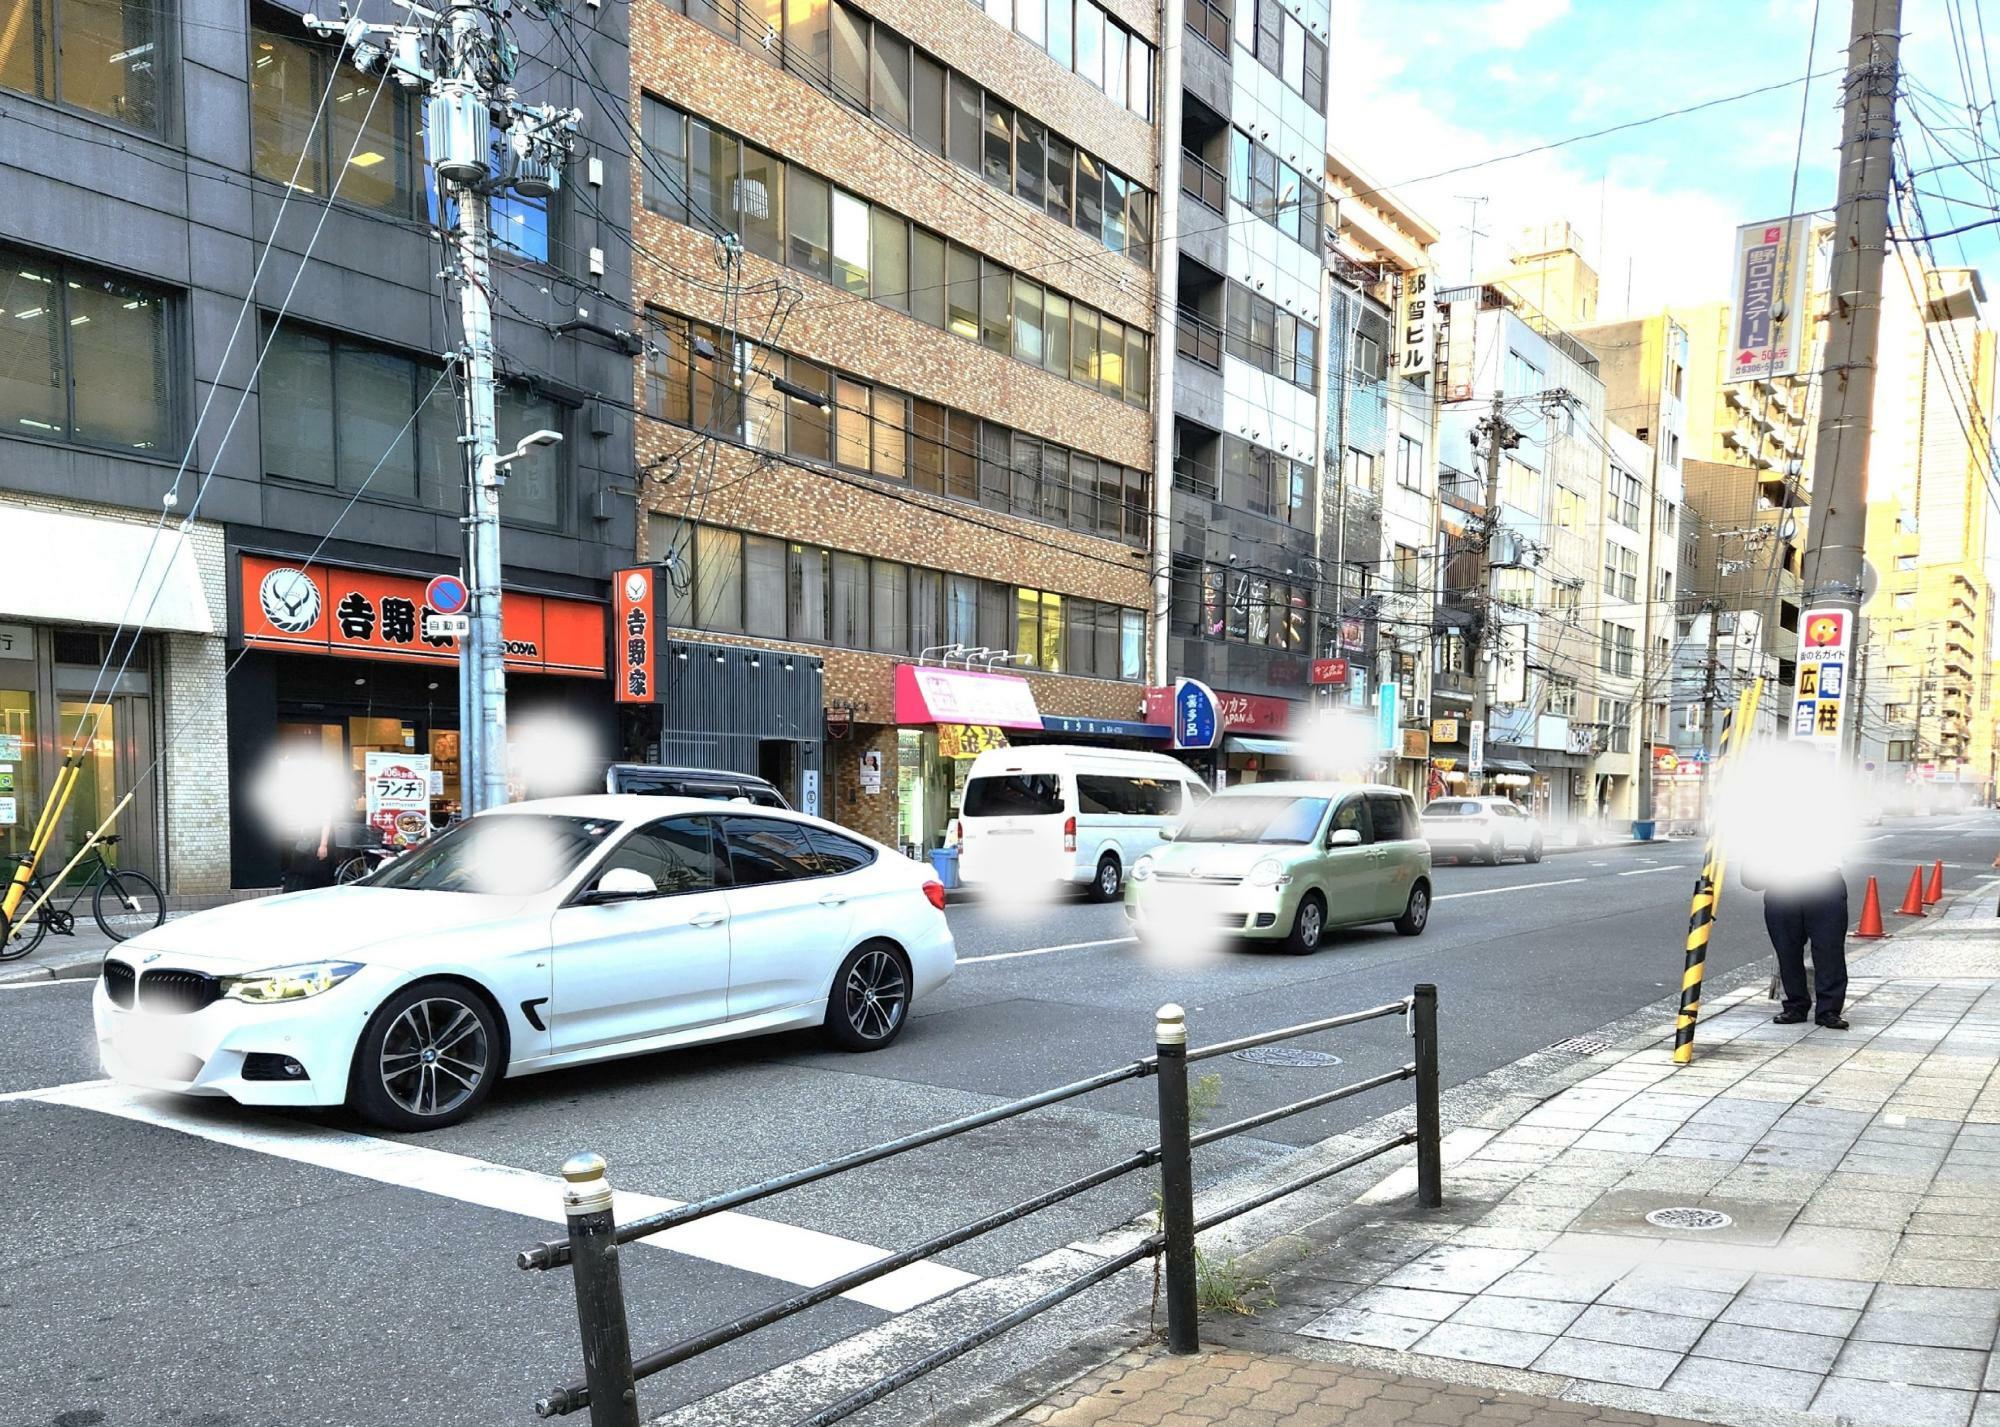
(18,791)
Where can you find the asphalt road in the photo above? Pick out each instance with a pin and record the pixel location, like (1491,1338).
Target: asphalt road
(180,1262)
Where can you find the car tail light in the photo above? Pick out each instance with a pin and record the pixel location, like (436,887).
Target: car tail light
(1069,834)
(934,893)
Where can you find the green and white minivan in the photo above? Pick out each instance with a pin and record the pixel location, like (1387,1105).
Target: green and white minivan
(1283,862)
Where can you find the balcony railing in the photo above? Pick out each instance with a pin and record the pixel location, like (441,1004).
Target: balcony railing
(1198,339)
(1196,476)
(1203,182)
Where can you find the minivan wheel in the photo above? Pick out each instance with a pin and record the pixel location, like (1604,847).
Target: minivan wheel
(1495,850)
(870,1000)
(1535,850)
(1308,926)
(1109,881)
(1417,913)
(428,1057)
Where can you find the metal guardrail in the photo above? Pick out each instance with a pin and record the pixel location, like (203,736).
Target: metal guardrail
(1203,182)
(611,1373)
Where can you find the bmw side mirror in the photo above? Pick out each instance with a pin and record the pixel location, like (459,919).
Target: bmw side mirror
(621,884)
(1171,831)
(1344,837)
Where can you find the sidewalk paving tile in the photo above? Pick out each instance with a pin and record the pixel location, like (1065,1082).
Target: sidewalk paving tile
(1504,1347)
(1409,1302)
(1524,1315)
(1796,1288)
(1457,1270)
(1900,1362)
(1608,1362)
(1793,1317)
(1768,1347)
(1579,1285)
(1883,1404)
(1375,1330)
(1746,1383)
(1967,1302)
(1665,1298)
(1637,1328)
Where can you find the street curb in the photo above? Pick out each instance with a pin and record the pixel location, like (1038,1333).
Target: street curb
(78,967)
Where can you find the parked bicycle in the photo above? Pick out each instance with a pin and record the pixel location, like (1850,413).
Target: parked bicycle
(124,903)
(364,861)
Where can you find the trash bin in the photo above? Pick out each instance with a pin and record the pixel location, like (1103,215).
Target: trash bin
(1642,829)
(944,861)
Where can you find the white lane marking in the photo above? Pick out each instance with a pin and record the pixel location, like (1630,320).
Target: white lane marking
(1046,950)
(1642,871)
(47,1090)
(740,1241)
(1521,887)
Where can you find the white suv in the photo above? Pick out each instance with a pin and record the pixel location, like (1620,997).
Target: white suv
(1484,829)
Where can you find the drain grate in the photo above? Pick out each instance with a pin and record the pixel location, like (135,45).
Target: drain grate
(1699,1220)
(1286,1055)
(1581,1045)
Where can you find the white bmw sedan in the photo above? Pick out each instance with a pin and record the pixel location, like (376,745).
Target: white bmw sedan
(536,936)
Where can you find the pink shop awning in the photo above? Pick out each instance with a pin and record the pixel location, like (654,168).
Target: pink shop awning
(931,695)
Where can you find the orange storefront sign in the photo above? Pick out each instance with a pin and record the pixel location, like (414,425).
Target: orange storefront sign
(366,614)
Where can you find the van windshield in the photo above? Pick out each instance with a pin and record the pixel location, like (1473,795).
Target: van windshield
(1254,819)
(1013,795)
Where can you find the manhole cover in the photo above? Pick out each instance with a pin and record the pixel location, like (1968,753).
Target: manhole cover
(1700,1220)
(1286,1055)
(1581,1045)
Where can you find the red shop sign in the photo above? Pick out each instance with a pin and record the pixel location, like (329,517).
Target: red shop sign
(635,632)
(367,614)
(1329,671)
(1240,713)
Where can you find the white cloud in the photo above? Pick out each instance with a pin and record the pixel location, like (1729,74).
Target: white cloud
(1510,24)
(1645,226)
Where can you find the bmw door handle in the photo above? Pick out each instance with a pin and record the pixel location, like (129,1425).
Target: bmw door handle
(833,899)
(707,919)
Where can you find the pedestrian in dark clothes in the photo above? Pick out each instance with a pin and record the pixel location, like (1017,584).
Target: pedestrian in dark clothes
(1813,912)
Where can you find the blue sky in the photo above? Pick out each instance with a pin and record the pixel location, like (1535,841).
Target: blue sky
(1423,85)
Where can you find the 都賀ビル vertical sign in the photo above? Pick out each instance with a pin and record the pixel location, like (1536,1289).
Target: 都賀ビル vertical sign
(1819,704)
(635,664)
(1416,325)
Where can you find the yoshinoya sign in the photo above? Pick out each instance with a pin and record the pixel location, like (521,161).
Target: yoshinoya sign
(635,633)
(1768,321)
(372,614)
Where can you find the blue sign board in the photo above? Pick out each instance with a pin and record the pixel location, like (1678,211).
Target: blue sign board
(1197,720)
(1103,727)
(1385,716)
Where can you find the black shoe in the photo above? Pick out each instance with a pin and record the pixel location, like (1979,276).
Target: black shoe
(1788,1018)
(1831,1023)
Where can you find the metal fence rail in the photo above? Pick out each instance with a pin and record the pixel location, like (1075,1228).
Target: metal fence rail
(611,1373)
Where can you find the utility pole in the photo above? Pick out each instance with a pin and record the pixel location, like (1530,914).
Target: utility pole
(1500,438)
(1642,810)
(462,60)
(1837,526)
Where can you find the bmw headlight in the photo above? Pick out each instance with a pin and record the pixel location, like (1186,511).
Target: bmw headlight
(1269,873)
(1142,870)
(288,983)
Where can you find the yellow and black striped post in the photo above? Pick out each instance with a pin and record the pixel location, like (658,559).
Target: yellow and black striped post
(45,829)
(1736,724)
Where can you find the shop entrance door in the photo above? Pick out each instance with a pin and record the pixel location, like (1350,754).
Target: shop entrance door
(118,759)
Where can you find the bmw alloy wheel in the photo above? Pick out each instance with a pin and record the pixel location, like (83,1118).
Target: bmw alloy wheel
(875,995)
(434,1056)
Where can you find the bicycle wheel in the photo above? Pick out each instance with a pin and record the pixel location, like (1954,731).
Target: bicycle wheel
(135,905)
(352,870)
(14,947)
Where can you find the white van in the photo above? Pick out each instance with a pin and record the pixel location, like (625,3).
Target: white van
(1065,813)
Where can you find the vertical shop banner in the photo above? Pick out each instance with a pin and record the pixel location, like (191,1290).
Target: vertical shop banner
(1475,748)
(1197,722)
(1416,325)
(399,797)
(1460,319)
(1819,699)
(1386,718)
(1768,321)
(635,627)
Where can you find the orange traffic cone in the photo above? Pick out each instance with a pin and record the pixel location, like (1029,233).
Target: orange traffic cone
(1871,915)
(1913,900)
(1934,893)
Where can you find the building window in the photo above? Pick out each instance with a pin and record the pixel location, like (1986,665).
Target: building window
(1622,498)
(870,251)
(106,56)
(1409,577)
(1409,463)
(373,122)
(1616,644)
(1621,572)
(1282,46)
(1258,331)
(85,357)
(366,419)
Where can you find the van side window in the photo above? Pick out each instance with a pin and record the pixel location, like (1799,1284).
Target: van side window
(1352,814)
(1127,796)
(1385,811)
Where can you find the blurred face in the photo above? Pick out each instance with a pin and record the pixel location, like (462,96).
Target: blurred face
(1789,809)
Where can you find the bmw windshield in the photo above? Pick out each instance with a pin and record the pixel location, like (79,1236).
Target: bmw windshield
(1254,819)
(516,854)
